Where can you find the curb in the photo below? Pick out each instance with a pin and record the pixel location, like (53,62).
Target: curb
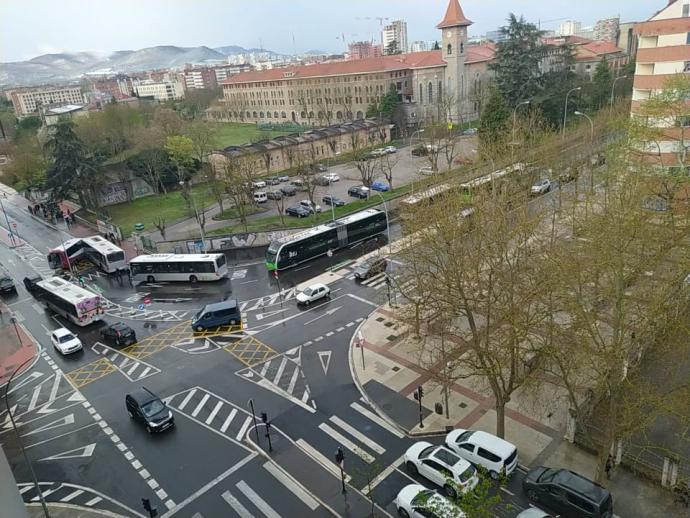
(82,509)
(37,344)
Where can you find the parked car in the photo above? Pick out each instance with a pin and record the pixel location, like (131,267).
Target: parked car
(358,191)
(433,147)
(64,341)
(313,208)
(217,314)
(288,190)
(426,170)
(299,184)
(381,186)
(119,333)
(283,179)
(144,406)
(258,184)
(332,200)
(391,149)
(313,293)
(274,195)
(567,493)
(371,267)
(497,455)
(319,168)
(298,211)
(419,151)
(30,282)
(260,197)
(322,181)
(470,131)
(332,177)
(540,187)
(534,512)
(442,467)
(273,180)
(416,501)
(6,281)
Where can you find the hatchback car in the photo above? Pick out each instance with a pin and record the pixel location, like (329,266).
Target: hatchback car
(298,211)
(119,334)
(273,180)
(371,267)
(416,501)
(6,281)
(332,177)
(359,191)
(541,187)
(283,179)
(64,341)
(442,467)
(259,184)
(332,200)
(497,455)
(380,186)
(391,149)
(274,195)
(313,293)
(319,168)
(288,190)
(426,171)
(310,206)
(144,406)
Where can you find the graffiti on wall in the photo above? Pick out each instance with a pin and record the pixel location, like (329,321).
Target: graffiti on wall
(112,194)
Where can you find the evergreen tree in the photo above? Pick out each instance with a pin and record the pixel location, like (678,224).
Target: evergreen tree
(555,85)
(436,46)
(493,124)
(599,89)
(393,48)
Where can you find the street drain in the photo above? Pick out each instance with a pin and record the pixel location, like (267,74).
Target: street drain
(380,319)
(390,338)
(396,368)
(388,324)
(463,405)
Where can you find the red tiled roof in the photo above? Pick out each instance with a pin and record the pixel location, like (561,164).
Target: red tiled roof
(595,49)
(431,58)
(454,16)
(572,40)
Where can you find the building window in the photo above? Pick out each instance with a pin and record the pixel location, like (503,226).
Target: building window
(449,49)
(268,115)
(430,92)
(462,47)
(687,38)
(686,10)
(421,95)
(686,66)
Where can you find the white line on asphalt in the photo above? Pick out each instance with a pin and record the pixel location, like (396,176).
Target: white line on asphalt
(200,405)
(406,475)
(210,485)
(31,486)
(504,489)
(264,369)
(34,398)
(74,494)
(305,396)
(147,369)
(211,429)
(382,476)
(280,370)
(244,428)
(241,510)
(375,418)
(358,435)
(213,413)
(54,388)
(293,381)
(228,420)
(49,492)
(347,443)
(59,436)
(296,488)
(186,399)
(134,367)
(161,494)
(259,502)
(97,499)
(320,458)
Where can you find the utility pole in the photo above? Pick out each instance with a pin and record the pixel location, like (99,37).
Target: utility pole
(340,461)
(418,395)
(256,427)
(264,418)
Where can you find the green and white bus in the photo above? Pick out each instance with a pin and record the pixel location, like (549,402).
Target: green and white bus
(289,251)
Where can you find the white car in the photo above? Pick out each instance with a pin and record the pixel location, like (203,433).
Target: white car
(391,149)
(426,170)
(442,467)
(533,512)
(313,293)
(541,187)
(497,455)
(259,184)
(332,177)
(311,207)
(416,501)
(65,341)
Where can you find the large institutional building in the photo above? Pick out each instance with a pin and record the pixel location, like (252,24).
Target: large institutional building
(27,101)
(446,84)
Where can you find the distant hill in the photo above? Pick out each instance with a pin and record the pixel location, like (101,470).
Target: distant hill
(72,65)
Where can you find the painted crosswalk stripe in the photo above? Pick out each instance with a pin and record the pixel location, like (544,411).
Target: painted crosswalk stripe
(214,412)
(189,396)
(259,502)
(320,458)
(347,443)
(146,371)
(294,487)
(72,495)
(264,369)
(93,501)
(244,428)
(132,369)
(279,373)
(46,493)
(241,510)
(373,417)
(293,381)
(305,396)
(200,405)
(26,488)
(358,435)
(228,420)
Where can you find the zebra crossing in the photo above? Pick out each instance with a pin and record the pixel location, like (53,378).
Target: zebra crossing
(268,300)
(118,311)
(131,368)
(73,494)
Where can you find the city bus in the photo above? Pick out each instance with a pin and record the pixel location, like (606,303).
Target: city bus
(289,251)
(77,304)
(178,267)
(488,181)
(96,249)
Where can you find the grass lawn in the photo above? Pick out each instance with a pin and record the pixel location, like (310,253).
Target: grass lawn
(235,133)
(144,210)
(233,213)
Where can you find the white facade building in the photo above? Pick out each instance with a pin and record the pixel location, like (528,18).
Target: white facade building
(569,28)
(159,90)
(395,31)
(419,46)
(28,100)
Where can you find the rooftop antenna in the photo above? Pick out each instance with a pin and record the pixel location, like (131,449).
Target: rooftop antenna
(294,47)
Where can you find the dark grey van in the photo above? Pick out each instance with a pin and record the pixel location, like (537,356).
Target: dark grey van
(6,281)
(226,313)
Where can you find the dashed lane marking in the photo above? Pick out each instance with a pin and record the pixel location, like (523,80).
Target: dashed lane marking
(90,372)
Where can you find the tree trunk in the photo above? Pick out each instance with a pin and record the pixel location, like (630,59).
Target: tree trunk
(500,418)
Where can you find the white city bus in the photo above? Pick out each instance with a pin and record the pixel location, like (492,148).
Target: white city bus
(98,250)
(178,267)
(79,305)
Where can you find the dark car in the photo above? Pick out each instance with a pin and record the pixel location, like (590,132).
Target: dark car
(298,211)
(273,180)
(567,493)
(283,178)
(420,151)
(371,267)
(322,181)
(358,191)
(288,190)
(6,281)
(143,405)
(274,195)
(332,200)
(119,334)
(319,168)
(30,283)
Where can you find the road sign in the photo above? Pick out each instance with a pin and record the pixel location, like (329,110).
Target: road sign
(147,300)
(275,273)
(142,307)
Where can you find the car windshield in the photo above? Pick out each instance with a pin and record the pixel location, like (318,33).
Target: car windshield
(422,498)
(66,338)
(308,291)
(467,474)
(548,475)
(152,407)
(427,451)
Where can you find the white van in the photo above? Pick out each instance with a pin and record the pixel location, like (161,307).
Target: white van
(497,455)
(260,197)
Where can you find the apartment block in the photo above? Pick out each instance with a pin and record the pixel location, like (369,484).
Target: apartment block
(395,31)
(159,90)
(363,50)
(26,101)
(199,77)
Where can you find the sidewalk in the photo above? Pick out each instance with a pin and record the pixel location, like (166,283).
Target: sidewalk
(68,511)
(16,346)
(387,370)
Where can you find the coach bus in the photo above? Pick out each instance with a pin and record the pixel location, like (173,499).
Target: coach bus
(77,304)
(178,267)
(96,249)
(289,251)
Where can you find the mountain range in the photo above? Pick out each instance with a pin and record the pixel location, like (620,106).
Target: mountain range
(68,66)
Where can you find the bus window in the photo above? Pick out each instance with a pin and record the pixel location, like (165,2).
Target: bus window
(220,261)
(116,256)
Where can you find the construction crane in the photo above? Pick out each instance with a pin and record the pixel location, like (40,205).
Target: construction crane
(379,18)
(539,22)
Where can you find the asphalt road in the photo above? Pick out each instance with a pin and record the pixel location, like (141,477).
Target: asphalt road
(292,362)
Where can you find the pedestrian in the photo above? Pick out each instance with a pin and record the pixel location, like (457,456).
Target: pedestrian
(609,467)
(31,210)
(81,281)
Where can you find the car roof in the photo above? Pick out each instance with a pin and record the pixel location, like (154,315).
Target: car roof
(230,303)
(316,285)
(581,485)
(62,331)
(142,395)
(492,443)
(119,326)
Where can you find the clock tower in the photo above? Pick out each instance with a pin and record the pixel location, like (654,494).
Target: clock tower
(453,49)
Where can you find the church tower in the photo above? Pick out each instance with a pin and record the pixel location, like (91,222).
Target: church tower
(453,49)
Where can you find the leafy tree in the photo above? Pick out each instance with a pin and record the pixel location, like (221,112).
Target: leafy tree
(599,89)
(195,101)
(556,83)
(518,58)
(493,124)
(393,48)
(28,126)
(181,151)
(27,169)
(155,167)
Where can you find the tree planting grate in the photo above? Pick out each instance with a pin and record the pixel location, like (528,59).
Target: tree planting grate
(396,368)
(390,338)
(462,405)
(388,324)
(380,319)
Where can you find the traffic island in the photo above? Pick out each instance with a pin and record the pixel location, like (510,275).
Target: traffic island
(17,347)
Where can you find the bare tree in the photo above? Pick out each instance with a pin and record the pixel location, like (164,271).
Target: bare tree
(236,174)
(387,163)
(367,165)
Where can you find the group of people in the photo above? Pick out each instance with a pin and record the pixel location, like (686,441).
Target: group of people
(51,212)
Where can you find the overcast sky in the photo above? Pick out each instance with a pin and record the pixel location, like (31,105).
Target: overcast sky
(32,27)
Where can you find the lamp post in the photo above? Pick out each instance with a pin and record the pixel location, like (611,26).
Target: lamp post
(9,227)
(613,87)
(513,143)
(388,227)
(196,213)
(414,133)
(565,110)
(591,138)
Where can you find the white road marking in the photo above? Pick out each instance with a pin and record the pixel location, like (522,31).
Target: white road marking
(264,369)
(34,398)
(280,370)
(358,435)
(215,410)
(93,501)
(347,443)
(293,486)
(293,381)
(186,399)
(320,458)
(305,396)
(72,495)
(228,420)
(245,427)
(30,487)
(505,490)
(200,405)
(259,502)
(325,359)
(382,476)
(241,510)
(378,420)
(146,371)
(134,367)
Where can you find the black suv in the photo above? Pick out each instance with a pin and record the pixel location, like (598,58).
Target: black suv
(568,494)
(358,191)
(30,283)
(371,267)
(119,334)
(6,281)
(143,405)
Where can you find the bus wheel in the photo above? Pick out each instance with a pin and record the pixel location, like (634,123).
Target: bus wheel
(150,279)
(193,279)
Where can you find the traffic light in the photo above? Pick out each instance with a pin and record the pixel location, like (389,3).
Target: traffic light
(339,456)
(264,417)
(420,389)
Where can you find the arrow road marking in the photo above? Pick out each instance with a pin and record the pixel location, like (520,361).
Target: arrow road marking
(63,421)
(261,316)
(32,376)
(327,313)
(82,451)
(207,345)
(325,359)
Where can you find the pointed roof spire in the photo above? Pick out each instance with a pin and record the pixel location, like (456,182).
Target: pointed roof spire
(454,16)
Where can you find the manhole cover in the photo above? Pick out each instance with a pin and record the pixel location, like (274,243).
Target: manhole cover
(390,338)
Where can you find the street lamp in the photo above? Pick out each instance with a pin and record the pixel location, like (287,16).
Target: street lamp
(565,110)
(388,227)
(9,227)
(413,134)
(513,143)
(591,138)
(196,213)
(613,86)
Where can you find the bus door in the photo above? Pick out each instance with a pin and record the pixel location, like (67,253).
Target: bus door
(342,235)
